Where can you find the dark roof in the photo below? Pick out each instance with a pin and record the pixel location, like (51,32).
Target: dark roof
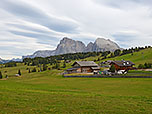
(123,63)
(86,63)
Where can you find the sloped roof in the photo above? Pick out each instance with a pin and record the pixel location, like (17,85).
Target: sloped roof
(86,63)
(123,63)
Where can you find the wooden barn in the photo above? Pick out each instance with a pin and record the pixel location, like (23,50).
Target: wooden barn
(84,67)
(122,65)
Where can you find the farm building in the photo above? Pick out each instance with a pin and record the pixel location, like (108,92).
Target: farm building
(122,65)
(84,67)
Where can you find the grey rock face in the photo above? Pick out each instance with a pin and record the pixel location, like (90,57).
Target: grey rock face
(41,53)
(102,44)
(89,47)
(16,59)
(69,46)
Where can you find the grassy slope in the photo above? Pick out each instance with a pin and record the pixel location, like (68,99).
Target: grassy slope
(48,92)
(138,57)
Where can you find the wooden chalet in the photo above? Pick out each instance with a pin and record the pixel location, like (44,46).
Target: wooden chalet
(122,65)
(84,67)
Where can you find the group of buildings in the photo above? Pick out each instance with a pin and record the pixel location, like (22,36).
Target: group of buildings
(91,66)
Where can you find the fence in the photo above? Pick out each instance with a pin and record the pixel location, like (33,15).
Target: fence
(107,76)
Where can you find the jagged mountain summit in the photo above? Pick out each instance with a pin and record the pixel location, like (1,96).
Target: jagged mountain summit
(68,45)
(102,44)
(89,47)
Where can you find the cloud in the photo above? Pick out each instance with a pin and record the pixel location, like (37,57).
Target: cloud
(41,38)
(28,26)
(125,4)
(35,15)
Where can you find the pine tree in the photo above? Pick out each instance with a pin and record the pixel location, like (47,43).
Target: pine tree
(64,65)
(19,72)
(57,66)
(117,52)
(1,75)
(44,67)
(112,68)
(146,65)
(29,71)
(112,54)
(140,66)
(34,70)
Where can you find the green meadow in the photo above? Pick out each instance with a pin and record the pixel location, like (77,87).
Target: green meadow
(48,92)
(140,57)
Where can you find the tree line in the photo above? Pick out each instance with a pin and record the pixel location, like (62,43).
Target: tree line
(55,60)
(145,66)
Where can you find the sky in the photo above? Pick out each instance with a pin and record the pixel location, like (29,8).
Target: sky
(30,25)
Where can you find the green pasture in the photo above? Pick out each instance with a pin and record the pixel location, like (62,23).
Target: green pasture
(48,93)
(141,57)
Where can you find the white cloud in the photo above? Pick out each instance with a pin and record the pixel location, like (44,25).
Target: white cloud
(27,26)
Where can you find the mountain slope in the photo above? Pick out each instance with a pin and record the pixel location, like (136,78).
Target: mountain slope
(68,45)
(41,53)
(102,44)
(141,57)
(1,61)
(4,61)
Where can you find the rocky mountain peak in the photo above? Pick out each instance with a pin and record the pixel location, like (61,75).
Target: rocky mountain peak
(89,47)
(65,39)
(102,44)
(68,45)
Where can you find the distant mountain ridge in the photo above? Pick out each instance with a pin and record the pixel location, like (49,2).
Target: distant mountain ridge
(41,53)
(2,61)
(68,45)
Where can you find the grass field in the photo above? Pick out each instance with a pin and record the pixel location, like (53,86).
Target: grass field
(48,92)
